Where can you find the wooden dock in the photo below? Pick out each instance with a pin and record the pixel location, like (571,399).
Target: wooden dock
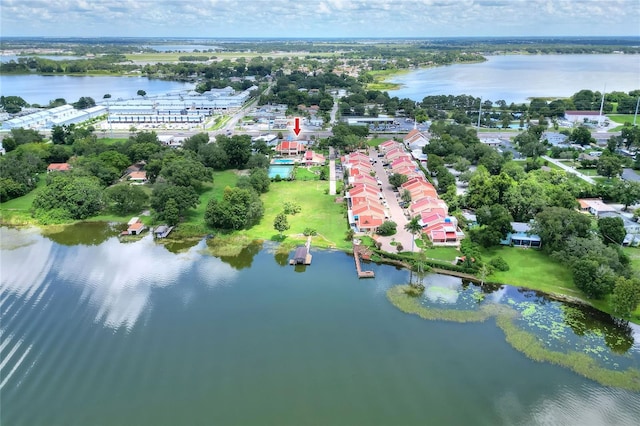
(358,252)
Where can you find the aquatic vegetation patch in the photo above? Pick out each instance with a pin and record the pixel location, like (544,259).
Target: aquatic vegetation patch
(509,317)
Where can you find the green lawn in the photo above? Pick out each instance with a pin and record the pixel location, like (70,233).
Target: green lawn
(621,118)
(194,220)
(448,254)
(376,141)
(588,171)
(303,173)
(16,211)
(532,269)
(319,211)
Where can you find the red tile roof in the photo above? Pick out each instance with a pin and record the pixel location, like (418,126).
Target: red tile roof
(60,167)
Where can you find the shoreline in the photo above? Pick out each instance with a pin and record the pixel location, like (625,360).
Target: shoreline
(231,244)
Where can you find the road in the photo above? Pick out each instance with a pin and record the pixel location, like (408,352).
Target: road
(395,211)
(570,170)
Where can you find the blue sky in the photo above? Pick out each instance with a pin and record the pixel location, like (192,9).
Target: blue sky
(318,18)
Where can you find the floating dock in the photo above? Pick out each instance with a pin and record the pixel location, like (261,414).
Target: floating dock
(358,252)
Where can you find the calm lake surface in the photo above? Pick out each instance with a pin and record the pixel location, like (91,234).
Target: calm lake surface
(99,332)
(515,78)
(41,89)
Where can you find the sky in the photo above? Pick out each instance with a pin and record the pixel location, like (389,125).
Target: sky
(318,18)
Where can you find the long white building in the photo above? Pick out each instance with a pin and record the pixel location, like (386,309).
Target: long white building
(45,119)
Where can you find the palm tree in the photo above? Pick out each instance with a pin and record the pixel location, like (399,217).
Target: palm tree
(414,227)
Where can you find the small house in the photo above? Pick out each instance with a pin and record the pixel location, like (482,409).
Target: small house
(59,167)
(135,226)
(521,236)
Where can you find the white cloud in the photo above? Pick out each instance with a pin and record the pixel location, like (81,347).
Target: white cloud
(116,279)
(323,18)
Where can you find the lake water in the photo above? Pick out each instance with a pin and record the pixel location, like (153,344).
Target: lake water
(99,332)
(8,58)
(180,47)
(41,89)
(515,78)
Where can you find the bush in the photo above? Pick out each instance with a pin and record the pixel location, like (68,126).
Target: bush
(309,232)
(499,264)
(387,228)
(414,290)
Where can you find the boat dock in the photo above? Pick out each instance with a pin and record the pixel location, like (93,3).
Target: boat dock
(358,252)
(302,255)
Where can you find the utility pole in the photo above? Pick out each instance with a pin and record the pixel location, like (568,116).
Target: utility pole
(479,113)
(601,105)
(636,113)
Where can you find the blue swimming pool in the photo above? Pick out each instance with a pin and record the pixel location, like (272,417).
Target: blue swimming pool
(282,161)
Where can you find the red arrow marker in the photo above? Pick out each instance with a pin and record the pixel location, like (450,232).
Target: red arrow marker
(296,126)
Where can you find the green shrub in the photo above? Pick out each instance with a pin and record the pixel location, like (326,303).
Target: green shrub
(387,228)
(309,232)
(499,263)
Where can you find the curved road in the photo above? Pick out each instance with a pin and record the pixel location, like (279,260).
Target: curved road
(570,170)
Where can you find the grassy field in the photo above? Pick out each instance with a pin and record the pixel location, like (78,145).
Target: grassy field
(16,211)
(448,254)
(621,118)
(532,269)
(319,212)
(380,78)
(376,141)
(535,270)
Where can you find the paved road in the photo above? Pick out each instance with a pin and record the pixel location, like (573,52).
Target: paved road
(630,175)
(570,170)
(395,211)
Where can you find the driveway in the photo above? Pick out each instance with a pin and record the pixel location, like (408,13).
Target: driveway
(569,170)
(395,211)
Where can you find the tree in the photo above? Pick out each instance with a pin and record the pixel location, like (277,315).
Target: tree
(582,136)
(445,179)
(609,166)
(625,192)
(260,181)
(84,102)
(405,196)
(171,212)
(495,224)
(280,223)
(141,93)
(239,208)
(462,165)
(237,148)
(214,156)
(182,171)
(291,207)
(626,296)
(74,197)
(555,225)
(594,279)
(194,142)
(396,179)
(185,197)
(414,227)
(126,198)
(387,228)
(58,135)
(612,230)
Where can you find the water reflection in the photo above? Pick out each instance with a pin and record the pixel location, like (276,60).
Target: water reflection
(245,258)
(117,279)
(84,233)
